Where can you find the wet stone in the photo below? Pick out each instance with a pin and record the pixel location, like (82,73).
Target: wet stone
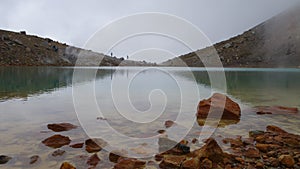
(56,141)
(59,127)
(58,153)
(4,159)
(34,159)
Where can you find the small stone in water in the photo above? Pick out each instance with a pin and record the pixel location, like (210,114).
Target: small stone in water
(78,145)
(161,131)
(93,160)
(34,159)
(4,159)
(58,153)
(61,127)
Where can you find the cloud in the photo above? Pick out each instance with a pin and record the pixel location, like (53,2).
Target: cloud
(74,22)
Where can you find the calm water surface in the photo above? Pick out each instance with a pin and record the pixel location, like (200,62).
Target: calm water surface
(32,97)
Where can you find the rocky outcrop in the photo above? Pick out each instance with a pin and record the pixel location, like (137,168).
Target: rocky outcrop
(273,43)
(219,104)
(94,145)
(19,49)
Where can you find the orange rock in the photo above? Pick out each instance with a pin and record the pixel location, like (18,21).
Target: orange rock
(219,103)
(275,129)
(67,165)
(286,160)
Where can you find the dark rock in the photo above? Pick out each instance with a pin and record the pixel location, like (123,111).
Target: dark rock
(93,160)
(221,104)
(169,123)
(94,145)
(34,159)
(58,153)
(161,131)
(129,163)
(4,159)
(56,141)
(77,145)
(61,127)
(115,155)
(67,165)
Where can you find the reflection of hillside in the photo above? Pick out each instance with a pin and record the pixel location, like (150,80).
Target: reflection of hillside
(257,86)
(21,82)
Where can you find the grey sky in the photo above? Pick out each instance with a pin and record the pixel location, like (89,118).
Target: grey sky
(74,22)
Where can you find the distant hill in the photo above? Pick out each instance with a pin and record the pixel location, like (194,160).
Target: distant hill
(19,49)
(274,43)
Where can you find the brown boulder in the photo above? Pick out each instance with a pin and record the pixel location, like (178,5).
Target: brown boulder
(61,127)
(77,145)
(94,145)
(67,165)
(286,160)
(129,163)
(56,141)
(34,159)
(219,103)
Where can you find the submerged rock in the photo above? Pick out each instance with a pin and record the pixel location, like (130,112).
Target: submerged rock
(275,110)
(94,145)
(77,145)
(169,123)
(61,127)
(34,159)
(56,141)
(93,160)
(58,153)
(217,104)
(67,165)
(4,159)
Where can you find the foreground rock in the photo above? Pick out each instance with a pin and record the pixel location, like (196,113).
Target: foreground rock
(67,165)
(273,148)
(94,145)
(61,127)
(209,156)
(4,159)
(57,141)
(129,163)
(219,104)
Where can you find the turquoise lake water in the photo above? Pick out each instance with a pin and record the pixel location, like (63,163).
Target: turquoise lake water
(134,103)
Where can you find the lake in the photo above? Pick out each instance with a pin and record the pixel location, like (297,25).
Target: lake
(126,106)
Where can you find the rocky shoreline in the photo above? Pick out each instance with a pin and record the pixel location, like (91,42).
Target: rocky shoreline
(272,148)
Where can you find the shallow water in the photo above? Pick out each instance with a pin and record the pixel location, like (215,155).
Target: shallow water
(134,101)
